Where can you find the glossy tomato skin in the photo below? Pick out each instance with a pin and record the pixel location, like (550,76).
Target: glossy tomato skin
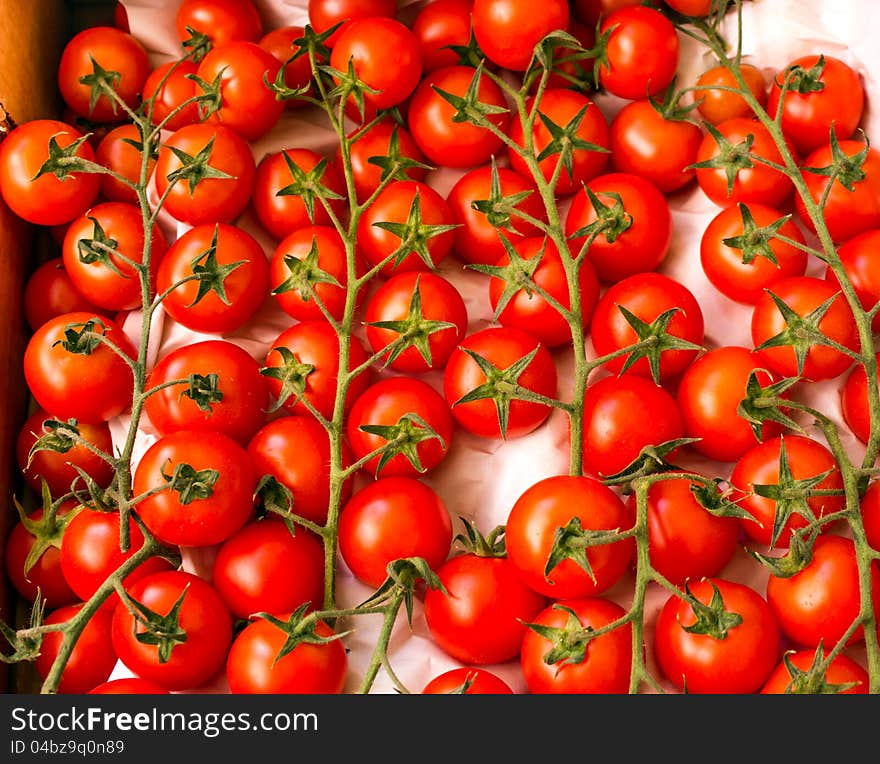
(170,85)
(807,118)
(803,294)
(643,246)
(642,52)
(128,686)
(477,241)
(443,141)
(92,658)
(660,150)
(551,504)
(622,415)
(246,287)
(507,31)
(481,682)
(180,520)
(438,25)
(295,450)
(708,396)
(685,541)
(716,104)
(502,347)
(308,669)
(49,292)
(760,466)
(203,616)
(860,266)
(608,660)
(324,14)
(239,413)
(280,42)
(870,507)
(480,618)
(45,200)
(440,301)
(114,51)
(116,153)
(220,20)
(724,267)
(532,312)
(821,602)
(89,388)
(842,670)
(390,519)
(561,106)
(854,403)
(213,200)
(647,296)
(739,663)
(265,568)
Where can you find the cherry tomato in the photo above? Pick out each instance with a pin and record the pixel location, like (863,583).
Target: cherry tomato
(861,269)
(467,680)
(870,507)
(807,458)
(854,403)
(128,686)
(325,14)
(202,616)
(116,152)
(554,504)
(84,379)
(281,43)
(265,568)
(691,7)
(439,25)
(169,86)
(605,666)
(738,662)
(590,11)
(219,20)
(202,486)
(717,105)
(507,31)
(391,519)
(49,292)
(503,348)
(841,671)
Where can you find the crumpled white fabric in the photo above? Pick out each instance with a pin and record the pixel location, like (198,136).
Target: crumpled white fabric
(481,479)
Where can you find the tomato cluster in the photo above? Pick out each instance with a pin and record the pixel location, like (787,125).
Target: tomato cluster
(317,453)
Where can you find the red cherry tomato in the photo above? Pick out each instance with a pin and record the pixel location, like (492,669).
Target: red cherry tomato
(854,403)
(128,686)
(507,31)
(437,26)
(860,267)
(716,104)
(116,152)
(842,670)
(49,292)
(219,20)
(467,680)
(169,86)
(325,14)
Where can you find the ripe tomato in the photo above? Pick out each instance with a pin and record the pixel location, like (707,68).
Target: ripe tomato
(507,31)
(562,107)
(708,396)
(532,312)
(503,348)
(116,152)
(480,617)
(265,568)
(645,143)
(726,267)
(44,200)
(590,11)
(59,469)
(647,296)
(439,300)
(324,14)
(860,266)
(234,395)
(437,26)
(477,238)
(756,183)
(691,7)
(313,344)
(807,117)
(295,450)
(49,292)
(551,505)
(90,388)
(90,554)
(803,295)
(685,541)
(717,105)
(170,85)
(219,20)
(246,105)
(394,205)
(870,507)
(642,245)
(128,686)
(622,415)
(606,664)
(739,661)
(846,213)
(391,519)
(821,602)
(430,117)
(253,665)
(214,199)
(854,403)
(92,658)
(203,617)
(385,404)
(107,55)
(641,55)
(185,268)
(281,43)
(467,680)
(106,277)
(209,507)
(841,671)
(807,458)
